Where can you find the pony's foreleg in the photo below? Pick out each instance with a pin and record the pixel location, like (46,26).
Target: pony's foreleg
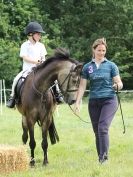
(32,144)
(25,130)
(44,145)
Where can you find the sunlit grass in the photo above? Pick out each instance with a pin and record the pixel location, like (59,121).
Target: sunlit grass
(75,154)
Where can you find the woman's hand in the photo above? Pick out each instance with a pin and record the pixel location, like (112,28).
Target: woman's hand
(76,108)
(118,85)
(80,93)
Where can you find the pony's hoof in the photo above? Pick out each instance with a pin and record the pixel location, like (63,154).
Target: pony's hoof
(32,162)
(45,162)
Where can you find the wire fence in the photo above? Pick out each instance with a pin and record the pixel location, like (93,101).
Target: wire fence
(4,93)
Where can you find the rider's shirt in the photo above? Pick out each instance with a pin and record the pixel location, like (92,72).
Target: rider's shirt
(36,51)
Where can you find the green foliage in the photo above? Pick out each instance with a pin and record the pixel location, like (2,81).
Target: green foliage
(75,25)
(9,60)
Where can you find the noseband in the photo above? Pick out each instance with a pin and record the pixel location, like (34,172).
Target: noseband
(68,77)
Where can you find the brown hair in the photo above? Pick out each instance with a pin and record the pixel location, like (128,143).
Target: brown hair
(98,42)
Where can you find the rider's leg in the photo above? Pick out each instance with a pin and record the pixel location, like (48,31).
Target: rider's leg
(58,94)
(11,101)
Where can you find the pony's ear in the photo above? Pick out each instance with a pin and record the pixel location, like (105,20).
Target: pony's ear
(78,68)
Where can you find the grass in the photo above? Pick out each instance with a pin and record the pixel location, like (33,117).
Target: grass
(75,154)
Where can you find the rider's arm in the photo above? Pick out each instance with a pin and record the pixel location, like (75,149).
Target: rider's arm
(30,60)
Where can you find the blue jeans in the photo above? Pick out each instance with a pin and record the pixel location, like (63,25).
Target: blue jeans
(101,112)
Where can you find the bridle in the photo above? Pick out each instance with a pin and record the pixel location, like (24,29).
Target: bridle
(68,77)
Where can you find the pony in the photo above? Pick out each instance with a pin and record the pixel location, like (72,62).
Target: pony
(38,99)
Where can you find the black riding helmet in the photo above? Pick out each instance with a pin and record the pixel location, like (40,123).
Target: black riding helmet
(33,27)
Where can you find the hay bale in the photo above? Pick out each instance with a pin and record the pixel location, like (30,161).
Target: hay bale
(13,159)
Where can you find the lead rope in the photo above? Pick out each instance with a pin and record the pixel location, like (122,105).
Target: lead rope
(78,116)
(124,128)
(119,102)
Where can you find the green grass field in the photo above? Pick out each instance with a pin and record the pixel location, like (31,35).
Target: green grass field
(75,155)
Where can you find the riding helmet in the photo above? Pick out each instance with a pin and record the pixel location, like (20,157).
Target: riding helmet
(33,27)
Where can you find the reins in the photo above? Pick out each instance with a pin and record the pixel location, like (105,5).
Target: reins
(33,85)
(78,115)
(42,94)
(119,104)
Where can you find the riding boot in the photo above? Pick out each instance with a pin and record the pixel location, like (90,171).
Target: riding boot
(11,102)
(59,98)
(58,95)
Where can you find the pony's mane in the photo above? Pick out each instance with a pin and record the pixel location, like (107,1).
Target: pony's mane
(59,54)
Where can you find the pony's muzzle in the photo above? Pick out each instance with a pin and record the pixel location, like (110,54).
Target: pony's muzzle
(72,102)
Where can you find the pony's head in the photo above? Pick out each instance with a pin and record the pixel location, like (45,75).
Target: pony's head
(69,82)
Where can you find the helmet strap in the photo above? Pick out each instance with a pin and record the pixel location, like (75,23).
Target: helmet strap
(33,39)
(31,34)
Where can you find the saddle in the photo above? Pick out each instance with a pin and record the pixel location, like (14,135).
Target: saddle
(19,89)
(56,92)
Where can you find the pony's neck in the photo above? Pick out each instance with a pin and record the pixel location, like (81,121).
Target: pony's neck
(46,76)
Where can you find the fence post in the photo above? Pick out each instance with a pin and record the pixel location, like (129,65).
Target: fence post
(4,91)
(1,97)
(2,94)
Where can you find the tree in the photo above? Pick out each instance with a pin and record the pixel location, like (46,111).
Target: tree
(79,23)
(72,24)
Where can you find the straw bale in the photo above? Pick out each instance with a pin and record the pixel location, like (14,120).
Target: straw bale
(13,158)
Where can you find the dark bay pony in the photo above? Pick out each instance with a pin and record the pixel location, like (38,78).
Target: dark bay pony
(37,101)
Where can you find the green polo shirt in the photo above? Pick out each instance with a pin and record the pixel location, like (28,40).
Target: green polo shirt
(100,78)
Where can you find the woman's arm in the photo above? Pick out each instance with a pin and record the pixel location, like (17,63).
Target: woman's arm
(80,93)
(117,82)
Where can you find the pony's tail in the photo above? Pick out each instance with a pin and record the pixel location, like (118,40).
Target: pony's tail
(53,133)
